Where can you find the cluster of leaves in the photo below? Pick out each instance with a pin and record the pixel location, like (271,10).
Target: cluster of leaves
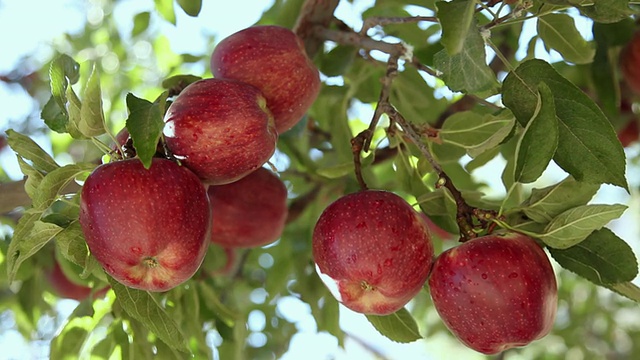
(544,116)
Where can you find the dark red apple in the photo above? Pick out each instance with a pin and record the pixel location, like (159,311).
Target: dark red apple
(149,228)
(273,59)
(249,212)
(629,133)
(630,63)
(495,292)
(65,288)
(373,251)
(3,142)
(220,129)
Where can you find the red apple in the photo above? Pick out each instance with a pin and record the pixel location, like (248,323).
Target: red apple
(220,129)
(629,133)
(249,212)
(495,292)
(373,251)
(273,59)
(3,142)
(149,228)
(65,288)
(630,63)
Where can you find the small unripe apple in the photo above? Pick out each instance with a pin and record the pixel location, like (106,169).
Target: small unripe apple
(220,129)
(273,59)
(373,251)
(148,228)
(495,292)
(630,63)
(65,288)
(249,212)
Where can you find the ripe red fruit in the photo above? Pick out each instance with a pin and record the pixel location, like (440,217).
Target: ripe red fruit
(65,288)
(495,292)
(249,212)
(273,59)
(629,133)
(630,62)
(373,251)
(220,129)
(148,228)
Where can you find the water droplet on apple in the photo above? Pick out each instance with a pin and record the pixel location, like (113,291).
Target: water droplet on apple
(388,262)
(484,276)
(513,275)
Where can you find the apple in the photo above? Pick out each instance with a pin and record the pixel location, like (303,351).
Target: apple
(372,251)
(3,142)
(495,292)
(148,228)
(273,59)
(65,288)
(249,212)
(629,60)
(629,133)
(220,129)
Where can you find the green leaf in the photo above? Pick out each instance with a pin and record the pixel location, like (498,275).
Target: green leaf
(145,124)
(467,71)
(143,307)
(574,225)
(92,117)
(627,289)
(179,81)
(588,147)
(72,245)
(607,11)
(602,258)
(55,181)
(191,7)
(63,72)
(455,18)
(75,115)
(400,326)
(338,60)
(29,237)
(336,171)
(34,177)
(55,117)
(545,204)
(212,302)
(140,23)
(26,148)
(475,132)
(166,10)
(558,31)
(539,141)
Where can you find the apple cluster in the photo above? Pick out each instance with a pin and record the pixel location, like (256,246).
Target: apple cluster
(374,253)
(150,228)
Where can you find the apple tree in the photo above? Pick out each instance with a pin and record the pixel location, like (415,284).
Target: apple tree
(457,167)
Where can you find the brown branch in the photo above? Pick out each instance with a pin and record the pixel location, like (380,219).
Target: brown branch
(363,42)
(382,21)
(12,195)
(314,13)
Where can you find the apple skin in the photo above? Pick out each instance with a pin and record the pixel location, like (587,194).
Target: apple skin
(65,288)
(629,133)
(435,229)
(629,63)
(273,59)
(495,292)
(249,212)
(148,228)
(373,251)
(220,129)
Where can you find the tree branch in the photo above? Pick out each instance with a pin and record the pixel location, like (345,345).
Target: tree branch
(314,13)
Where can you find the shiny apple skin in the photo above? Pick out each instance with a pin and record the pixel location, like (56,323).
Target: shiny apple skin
(148,228)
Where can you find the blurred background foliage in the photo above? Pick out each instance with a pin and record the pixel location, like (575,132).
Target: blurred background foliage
(254,309)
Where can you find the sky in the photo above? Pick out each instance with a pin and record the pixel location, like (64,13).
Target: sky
(54,17)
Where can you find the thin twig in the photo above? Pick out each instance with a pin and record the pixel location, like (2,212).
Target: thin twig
(382,21)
